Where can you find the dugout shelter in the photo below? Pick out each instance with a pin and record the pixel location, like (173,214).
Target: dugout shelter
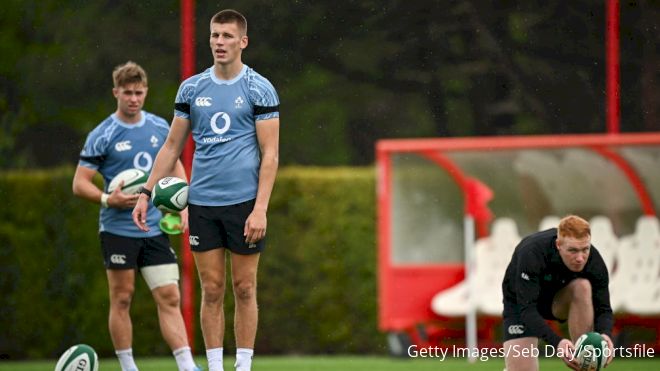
(437,198)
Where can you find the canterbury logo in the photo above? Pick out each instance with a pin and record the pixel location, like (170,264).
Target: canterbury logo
(203,101)
(123,146)
(516,329)
(82,365)
(193,240)
(524,276)
(118,259)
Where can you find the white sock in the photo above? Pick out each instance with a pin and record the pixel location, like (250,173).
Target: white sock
(214,357)
(244,359)
(126,361)
(184,359)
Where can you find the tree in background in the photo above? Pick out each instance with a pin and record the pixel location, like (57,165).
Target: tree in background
(349,74)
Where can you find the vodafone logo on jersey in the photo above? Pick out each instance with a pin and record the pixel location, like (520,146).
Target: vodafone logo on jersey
(220,124)
(143,161)
(226,123)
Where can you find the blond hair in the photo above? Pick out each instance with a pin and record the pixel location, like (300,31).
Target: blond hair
(129,73)
(573,226)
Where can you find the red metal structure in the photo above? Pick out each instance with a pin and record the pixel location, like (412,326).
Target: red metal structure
(188,266)
(407,288)
(613,78)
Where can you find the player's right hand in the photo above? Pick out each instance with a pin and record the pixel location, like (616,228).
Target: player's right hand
(567,350)
(140,213)
(119,200)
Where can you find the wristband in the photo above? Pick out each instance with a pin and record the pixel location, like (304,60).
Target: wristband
(145,191)
(104,199)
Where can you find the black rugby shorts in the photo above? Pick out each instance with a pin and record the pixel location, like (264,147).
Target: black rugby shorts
(121,252)
(213,227)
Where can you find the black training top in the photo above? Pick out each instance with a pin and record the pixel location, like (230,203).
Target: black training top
(537,269)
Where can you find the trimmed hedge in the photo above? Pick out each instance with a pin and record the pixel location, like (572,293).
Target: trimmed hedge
(317,279)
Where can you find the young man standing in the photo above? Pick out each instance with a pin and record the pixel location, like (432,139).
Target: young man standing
(233,114)
(554,275)
(131,138)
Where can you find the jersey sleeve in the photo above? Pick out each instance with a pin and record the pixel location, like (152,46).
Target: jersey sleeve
(264,98)
(161,125)
(94,151)
(183,100)
(528,288)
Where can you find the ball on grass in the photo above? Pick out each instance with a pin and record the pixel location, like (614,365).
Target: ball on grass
(80,357)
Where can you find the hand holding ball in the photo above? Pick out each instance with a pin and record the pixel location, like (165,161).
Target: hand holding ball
(133,180)
(170,194)
(591,351)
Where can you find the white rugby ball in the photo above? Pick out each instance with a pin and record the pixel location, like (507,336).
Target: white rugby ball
(79,357)
(133,180)
(170,194)
(591,351)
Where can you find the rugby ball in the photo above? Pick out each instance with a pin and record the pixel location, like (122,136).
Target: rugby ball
(133,180)
(79,357)
(170,194)
(591,351)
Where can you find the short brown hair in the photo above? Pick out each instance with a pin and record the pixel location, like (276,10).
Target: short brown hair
(573,226)
(231,16)
(128,73)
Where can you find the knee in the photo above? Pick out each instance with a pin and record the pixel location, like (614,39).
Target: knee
(122,300)
(580,289)
(245,290)
(213,292)
(168,296)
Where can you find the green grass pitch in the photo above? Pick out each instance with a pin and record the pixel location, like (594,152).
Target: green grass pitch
(339,363)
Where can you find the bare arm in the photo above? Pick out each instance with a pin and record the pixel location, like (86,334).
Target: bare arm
(180,171)
(268,135)
(166,163)
(84,187)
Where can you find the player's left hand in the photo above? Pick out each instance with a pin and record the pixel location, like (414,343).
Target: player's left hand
(567,350)
(255,226)
(610,346)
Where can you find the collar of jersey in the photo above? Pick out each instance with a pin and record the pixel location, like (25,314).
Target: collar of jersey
(227,82)
(121,123)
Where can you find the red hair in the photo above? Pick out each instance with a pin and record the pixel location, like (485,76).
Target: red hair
(573,226)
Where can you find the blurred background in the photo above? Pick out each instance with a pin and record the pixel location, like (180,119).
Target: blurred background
(348,74)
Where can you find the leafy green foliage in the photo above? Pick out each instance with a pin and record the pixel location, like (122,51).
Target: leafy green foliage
(346,75)
(317,278)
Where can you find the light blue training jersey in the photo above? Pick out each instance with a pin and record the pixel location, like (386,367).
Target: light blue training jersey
(114,146)
(223,116)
